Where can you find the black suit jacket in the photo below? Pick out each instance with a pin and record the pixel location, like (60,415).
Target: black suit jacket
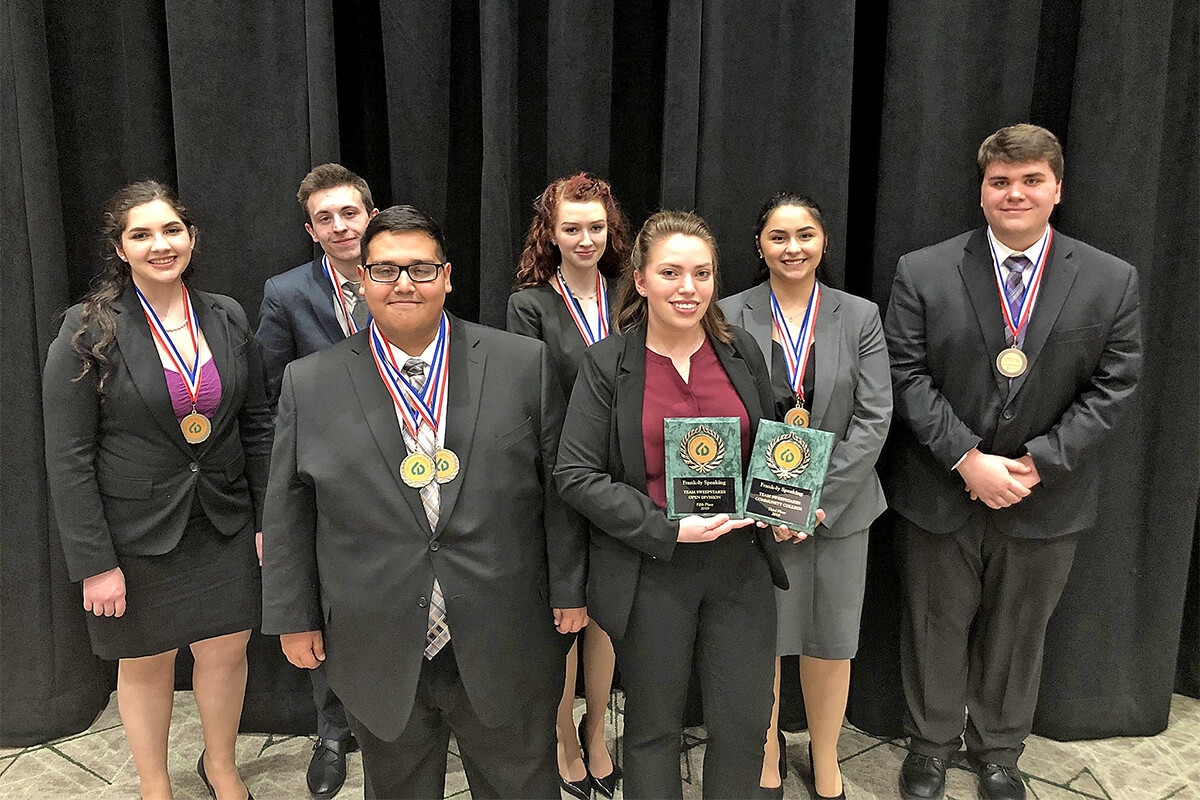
(348,548)
(296,319)
(944,329)
(602,466)
(122,477)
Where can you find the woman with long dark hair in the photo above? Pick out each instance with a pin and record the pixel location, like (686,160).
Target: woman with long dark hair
(574,249)
(671,592)
(158,440)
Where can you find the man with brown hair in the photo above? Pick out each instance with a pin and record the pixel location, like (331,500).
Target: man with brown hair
(304,310)
(1014,350)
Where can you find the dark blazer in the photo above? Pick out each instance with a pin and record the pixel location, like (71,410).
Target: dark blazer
(602,466)
(295,319)
(852,396)
(122,477)
(348,549)
(540,312)
(944,329)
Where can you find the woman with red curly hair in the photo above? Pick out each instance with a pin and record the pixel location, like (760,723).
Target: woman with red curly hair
(576,244)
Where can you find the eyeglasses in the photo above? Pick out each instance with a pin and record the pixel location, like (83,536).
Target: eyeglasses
(420,272)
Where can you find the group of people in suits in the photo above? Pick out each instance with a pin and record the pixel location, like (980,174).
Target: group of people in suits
(436,524)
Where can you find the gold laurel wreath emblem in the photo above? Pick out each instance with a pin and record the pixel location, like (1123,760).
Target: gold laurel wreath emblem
(788,456)
(702,449)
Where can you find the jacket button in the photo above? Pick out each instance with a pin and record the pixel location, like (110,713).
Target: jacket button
(194,467)
(423,602)
(435,545)
(1008,413)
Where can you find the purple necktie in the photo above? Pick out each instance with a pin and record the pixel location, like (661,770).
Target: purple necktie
(1014,287)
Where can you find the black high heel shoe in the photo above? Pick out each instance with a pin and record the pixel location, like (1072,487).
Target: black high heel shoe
(608,784)
(813,769)
(581,789)
(211,791)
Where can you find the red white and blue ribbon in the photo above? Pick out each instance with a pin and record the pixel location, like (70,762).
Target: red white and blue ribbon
(576,310)
(428,405)
(1016,327)
(796,348)
(190,375)
(339,295)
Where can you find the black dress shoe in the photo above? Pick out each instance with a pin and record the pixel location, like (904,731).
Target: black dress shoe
(922,777)
(204,777)
(327,769)
(608,784)
(581,789)
(1000,783)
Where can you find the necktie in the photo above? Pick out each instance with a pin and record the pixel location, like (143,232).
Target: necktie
(358,309)
(438,632)
(1014,288)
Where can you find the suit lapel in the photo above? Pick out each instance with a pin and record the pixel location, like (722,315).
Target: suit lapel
(467,363)
(743,382)
(631,386)
(380,414)
(1056,285)
(978,275)
(827,345)
(320,297)
(141,359)
(757,320)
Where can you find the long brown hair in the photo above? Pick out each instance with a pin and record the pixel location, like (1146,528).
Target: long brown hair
(541,258)
(630,307)
(93,349)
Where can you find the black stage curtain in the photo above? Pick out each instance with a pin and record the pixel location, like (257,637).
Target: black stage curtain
(468,109)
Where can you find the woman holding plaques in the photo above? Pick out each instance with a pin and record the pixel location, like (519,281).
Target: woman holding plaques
(576,244)
(827,346)
(673,591)
(158,441)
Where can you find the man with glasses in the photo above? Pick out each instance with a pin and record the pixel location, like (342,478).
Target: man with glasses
(414,542)
(304,310)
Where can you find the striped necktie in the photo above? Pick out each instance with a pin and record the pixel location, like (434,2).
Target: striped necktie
(1014,288)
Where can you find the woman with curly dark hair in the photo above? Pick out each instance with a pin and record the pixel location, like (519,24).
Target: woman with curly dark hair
(158,441)
(576,244)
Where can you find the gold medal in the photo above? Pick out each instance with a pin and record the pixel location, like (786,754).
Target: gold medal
(445,464)
(417,470)
(1011,362)
(797,416)
(195,427)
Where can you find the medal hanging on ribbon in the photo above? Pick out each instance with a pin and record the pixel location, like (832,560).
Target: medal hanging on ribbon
(426,407)
(576,310)
(1011,362)
(796,350)
(195,426)
(340,296)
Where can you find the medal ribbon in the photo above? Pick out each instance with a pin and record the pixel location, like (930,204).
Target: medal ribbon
(428,405)
(340,295)
(796,349)
(576,310)
(1016,327)
(191,376)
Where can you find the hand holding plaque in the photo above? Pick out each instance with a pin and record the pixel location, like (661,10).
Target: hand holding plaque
(703,465)
(787,470)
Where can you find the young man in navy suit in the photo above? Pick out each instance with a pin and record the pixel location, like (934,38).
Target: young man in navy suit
(1014,349)
(304,310)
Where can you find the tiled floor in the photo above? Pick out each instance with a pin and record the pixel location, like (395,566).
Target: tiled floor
(96,764)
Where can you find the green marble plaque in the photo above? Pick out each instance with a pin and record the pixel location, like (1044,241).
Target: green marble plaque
(703,465)
(787,471)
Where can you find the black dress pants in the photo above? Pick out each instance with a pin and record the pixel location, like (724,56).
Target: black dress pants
(712,602)
(331,714)
(976,606)
(514,759)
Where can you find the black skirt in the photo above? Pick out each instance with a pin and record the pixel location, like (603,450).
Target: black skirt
(209,585)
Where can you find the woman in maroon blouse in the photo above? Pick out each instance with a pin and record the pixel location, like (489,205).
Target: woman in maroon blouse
(665,589)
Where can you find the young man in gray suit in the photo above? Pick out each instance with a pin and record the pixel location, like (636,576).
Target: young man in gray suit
(304,310)
(414,542)
(1014,349)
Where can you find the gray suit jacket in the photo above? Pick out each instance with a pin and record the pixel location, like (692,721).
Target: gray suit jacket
(852,396)
(348,548)
(944,329)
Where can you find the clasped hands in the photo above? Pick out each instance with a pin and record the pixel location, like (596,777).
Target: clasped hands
(998,481)
(705,529)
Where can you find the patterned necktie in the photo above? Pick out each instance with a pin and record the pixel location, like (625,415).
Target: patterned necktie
(1014,289)
(438,632)
(358,308)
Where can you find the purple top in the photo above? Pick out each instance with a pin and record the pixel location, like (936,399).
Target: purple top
(210,391)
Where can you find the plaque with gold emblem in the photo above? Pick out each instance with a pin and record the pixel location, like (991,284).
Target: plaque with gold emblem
(787,470)
(703,465)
